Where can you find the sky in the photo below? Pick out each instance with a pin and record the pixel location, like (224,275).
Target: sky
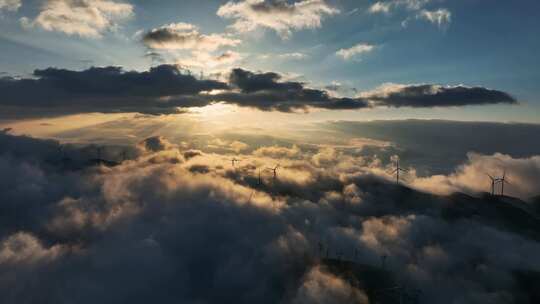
(353,46)
(269,151)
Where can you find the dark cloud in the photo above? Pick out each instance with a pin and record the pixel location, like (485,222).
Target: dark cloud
(155,144)
(266,91)
(191,154)
(160,90)
(184,36)
(202,169)
(108,89)
(155,57)
(429,95)
(164,89)
(153,231)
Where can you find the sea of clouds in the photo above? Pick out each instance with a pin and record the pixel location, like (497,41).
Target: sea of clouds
(172,224)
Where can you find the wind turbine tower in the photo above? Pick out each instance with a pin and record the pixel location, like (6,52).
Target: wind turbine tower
(274,170)
(383,261)
(493,182)
(503,180)
(398,170)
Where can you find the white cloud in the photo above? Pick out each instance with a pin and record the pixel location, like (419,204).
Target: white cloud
(204,60)
(521,173)
(440,17)
(10,5)
(356,50)
(284,56)
(413,4)
(295,55)
(380,7)
(386,7)
(279,16)
(84,18)
(184,36)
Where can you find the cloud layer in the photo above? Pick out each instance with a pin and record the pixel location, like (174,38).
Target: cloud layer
(436,147)
(428,95)
(154,228)
(164,88)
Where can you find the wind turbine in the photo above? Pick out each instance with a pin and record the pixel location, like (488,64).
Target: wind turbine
(503,180)
(493,182)
(274,171)
(397,170)
(383,261)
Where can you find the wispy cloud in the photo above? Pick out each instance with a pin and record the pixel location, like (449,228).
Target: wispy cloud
(285,56)
(184,36)
(440,17)
(387,6)
(84,18)
(295,56)
(380,7)
(10,5)
(355,51)
(280,16)
(204,60)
